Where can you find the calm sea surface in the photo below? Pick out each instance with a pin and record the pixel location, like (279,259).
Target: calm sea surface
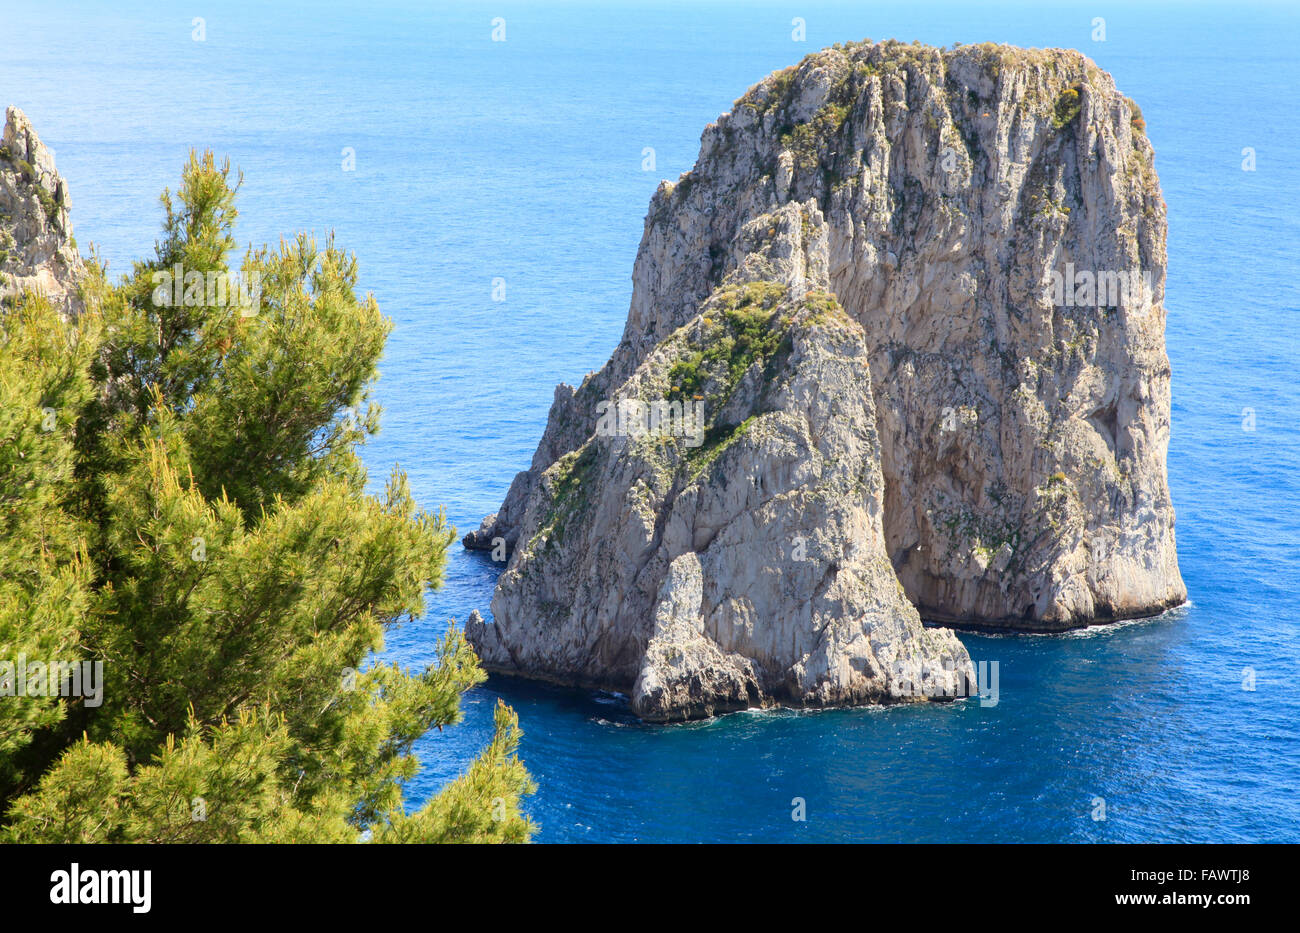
(522,160)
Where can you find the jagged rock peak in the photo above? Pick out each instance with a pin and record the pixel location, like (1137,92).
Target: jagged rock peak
(37,251)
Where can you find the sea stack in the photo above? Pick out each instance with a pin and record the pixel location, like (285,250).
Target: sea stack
(915,298)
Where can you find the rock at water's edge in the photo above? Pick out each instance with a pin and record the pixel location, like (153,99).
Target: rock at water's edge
(737,563)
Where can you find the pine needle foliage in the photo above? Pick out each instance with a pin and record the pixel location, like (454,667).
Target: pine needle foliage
(181,498)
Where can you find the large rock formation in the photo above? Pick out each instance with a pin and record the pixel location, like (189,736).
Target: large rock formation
(37,252)
(991,218)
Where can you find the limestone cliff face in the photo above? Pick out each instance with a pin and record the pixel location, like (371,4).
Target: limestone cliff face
(36,249)
(729,553)
(992,220)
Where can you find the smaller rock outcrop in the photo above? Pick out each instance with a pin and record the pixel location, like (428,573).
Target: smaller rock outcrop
(717,543)
(37,251)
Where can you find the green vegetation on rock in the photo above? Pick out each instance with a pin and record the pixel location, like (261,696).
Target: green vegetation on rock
(807,141)
(740,328)
(1068,106)
(716,439)
(1136,119)
(569,478)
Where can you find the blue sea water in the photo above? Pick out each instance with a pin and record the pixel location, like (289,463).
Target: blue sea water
(522,160)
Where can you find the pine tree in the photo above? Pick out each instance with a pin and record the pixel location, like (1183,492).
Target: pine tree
(44,573)
(195,517)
